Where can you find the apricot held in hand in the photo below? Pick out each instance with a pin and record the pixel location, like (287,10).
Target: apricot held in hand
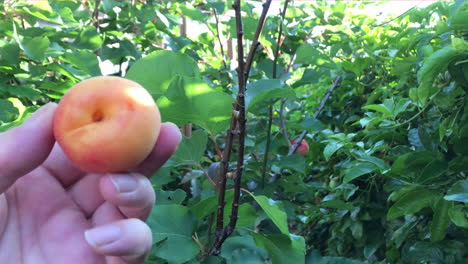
(107,124)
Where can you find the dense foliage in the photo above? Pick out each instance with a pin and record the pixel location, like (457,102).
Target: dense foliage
(385,180)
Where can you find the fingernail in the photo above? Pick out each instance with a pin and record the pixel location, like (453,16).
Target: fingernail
(103,235)
(124,182)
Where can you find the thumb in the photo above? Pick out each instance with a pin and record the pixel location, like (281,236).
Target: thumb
(24,148)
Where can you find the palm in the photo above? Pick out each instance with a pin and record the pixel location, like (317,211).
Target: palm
(46,222)
(45,213)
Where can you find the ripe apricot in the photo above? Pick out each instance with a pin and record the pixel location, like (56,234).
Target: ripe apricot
(303,148)
(107,124)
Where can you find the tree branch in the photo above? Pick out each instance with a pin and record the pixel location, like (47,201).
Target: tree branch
(242,117)
(237,128)
(335,85)
(220,232)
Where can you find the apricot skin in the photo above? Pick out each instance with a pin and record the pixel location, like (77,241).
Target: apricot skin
(303,148)
(107,124)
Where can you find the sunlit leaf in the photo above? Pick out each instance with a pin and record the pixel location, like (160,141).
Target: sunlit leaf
(458,192)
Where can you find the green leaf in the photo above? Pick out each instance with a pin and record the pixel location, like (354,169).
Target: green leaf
(22,91)
(434,253)
(8,112)
(310,76)
(35,48)
(432,66)
(18,121)
(126,49)
(459,44)
(412,162)
(85,61)
(220,6)
(267,91)
(274,212)
(458,19)
(337,204)
(332,147)
(440,220)
(307,54)
(357,66)
(282,248)
(43,11)
(459,215)
(390,108)
(54,50)
(170,197)
(357,169)
(242,249)
(249,26)
(315,258)
(9,52)
(88,38)
(313,124)
(458,69)
(379,108)
(190,150)
(191,100)
(294,162)
(383,167)
(156,71)
(247,215)
(193,13)
(209,205)
(412,202)
(433,171)
(173,226)
(108,5)
(458,192)
(162,177)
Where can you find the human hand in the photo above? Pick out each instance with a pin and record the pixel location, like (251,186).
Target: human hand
(51,212)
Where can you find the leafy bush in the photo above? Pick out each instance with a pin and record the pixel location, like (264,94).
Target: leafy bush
(385,179)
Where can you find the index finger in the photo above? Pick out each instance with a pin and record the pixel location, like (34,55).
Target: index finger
(167,143)
(68,174)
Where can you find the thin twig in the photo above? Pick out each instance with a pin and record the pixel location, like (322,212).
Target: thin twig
(270,110)
(280,33)
(255,42)
(218,150)
(283,122)
(293,58)
(206,174)
(267,147)
(402,14)
(336,83)
(218,35)
(96,13)
(197,241)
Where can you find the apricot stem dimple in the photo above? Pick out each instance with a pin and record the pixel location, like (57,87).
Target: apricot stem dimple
(97,116)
